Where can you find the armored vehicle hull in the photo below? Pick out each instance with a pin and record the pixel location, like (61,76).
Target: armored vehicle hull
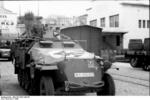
(57,67)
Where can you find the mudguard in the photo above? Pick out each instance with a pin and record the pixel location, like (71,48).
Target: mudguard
(81,73)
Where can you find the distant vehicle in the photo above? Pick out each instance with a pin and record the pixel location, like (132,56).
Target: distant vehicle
(5,49)
(139,53)
(53,67)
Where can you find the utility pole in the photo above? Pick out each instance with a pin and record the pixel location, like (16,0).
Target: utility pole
(38,7)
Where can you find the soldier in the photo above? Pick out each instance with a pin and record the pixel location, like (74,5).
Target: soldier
(56,33)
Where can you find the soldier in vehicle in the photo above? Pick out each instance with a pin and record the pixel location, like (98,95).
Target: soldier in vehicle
(56,33)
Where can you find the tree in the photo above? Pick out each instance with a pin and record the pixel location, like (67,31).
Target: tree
(34,27)
(29,20)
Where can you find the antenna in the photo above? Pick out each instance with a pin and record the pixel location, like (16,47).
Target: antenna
(19,9)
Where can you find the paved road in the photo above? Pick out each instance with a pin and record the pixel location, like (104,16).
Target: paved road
(9,83)
(128,81)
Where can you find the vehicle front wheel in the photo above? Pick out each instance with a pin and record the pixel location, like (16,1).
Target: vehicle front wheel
(46,86)
(146,67)
(134,62)
(109,86)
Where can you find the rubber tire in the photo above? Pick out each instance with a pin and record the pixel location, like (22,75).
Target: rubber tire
(134,62)
(109,86)
(47,83)
(145,67)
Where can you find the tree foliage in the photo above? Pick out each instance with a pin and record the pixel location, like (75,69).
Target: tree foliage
(29,16)
(33,25)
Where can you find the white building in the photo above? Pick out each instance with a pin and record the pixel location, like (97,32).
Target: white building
(8,22)
(131,18)
(58,21)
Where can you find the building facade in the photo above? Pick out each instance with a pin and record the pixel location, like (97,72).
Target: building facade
(54,21)
(8,22)
(118,17)
(63,21)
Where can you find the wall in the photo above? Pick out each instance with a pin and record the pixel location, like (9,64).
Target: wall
(103,9)
(90,35)
(1,4)
(130,17)
(9,26)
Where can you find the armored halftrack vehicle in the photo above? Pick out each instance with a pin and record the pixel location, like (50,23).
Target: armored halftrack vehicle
(56,67)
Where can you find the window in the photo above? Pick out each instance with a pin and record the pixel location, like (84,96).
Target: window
(143,23)
(2,23)
(117,40)
(114,21)
(102,21)
(140,23)
(93,22)
(148,24)
(7,23)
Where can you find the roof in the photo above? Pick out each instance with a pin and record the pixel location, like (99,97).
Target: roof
(84,26)
(3,10)
(113,31)
(136,4)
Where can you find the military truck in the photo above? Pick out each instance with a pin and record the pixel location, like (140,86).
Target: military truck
(59,67)
(139,53)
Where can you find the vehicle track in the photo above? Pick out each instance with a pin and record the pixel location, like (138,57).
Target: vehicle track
(131,79)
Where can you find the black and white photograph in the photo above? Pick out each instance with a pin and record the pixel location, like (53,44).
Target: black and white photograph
(74,48)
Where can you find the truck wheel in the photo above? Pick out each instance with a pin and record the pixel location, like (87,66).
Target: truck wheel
(46,86)
(134,62)
(109,86)
(146,67)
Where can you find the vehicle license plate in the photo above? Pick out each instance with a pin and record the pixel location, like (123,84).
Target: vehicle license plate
(90,74)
